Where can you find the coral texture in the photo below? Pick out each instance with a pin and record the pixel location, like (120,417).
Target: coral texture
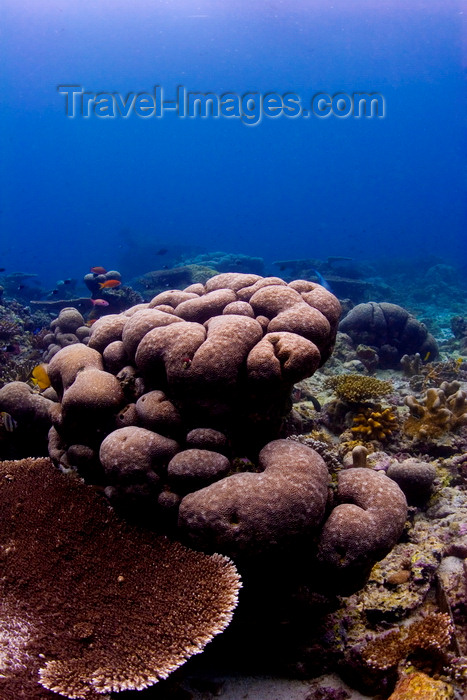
(366,523)
(254,512)
(419,686)
(90,604)
(226,354)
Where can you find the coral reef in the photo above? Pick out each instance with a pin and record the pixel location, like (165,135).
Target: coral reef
(172,431)
(89,604)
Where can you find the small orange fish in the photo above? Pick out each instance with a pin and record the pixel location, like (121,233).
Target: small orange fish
(91,322)
(109,284)
(99,302)
(98,270)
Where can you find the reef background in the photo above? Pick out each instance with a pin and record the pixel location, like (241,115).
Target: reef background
(113,192)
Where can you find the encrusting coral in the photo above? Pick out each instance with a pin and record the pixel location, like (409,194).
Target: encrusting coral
(90,604)
(419,686)
(431,633)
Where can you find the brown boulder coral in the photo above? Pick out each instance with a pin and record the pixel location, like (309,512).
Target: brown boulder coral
(182,363)
(365,524)
(132,451)
(91,605)
(389,328)
(253,513)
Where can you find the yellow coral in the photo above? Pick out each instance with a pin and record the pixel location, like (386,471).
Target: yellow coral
(358,387)
(419,685)
(374,424)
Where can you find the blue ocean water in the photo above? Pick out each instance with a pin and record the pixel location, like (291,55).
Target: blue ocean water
(77,192)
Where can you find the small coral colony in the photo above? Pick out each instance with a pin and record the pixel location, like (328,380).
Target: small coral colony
(211,427)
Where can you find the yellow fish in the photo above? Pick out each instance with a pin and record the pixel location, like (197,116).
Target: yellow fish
(39,377)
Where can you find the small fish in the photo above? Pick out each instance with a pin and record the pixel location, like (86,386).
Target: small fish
(8,421)
(39,377)
(91,322)
(98,270)
(321,280)
(427,356)
(162,251)
(109,284)
(99,302)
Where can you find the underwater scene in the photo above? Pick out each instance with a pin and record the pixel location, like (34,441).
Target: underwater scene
(233,350)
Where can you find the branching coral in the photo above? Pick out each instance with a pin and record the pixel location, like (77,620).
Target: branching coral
(429,634)
(440,410)
(374,423)
(356,388)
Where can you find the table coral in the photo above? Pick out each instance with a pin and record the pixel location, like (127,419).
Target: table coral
(90,604)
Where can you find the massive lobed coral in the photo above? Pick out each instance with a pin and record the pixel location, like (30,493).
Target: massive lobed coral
(174,408)
(389,328)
